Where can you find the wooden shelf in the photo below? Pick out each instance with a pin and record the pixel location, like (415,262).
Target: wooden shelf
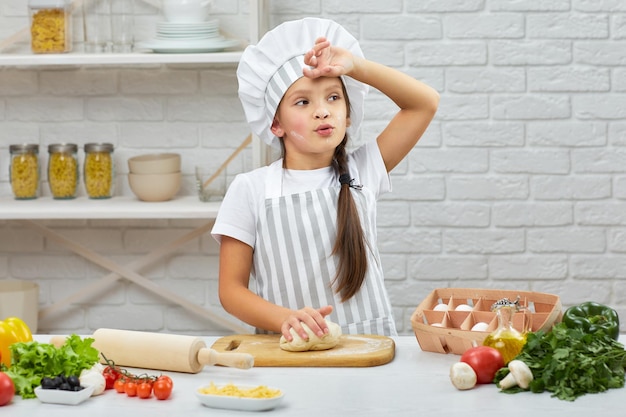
(188,207)
(42,60)
(22,57)
(30,212)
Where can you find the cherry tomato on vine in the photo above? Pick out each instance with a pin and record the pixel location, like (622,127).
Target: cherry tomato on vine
(162,389)
(110,376)
(113,370)
(144,389)
(119,385)
(166,379)
(130,388)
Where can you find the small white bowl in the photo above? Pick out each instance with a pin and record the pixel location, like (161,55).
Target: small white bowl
(57,396)
(238,403)
(186,11)
(155,163)
(155,187)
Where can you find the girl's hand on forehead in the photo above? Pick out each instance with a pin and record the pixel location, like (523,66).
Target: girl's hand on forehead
(326,60)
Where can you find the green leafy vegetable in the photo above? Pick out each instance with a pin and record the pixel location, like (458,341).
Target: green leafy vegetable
(31,361)
(570,362)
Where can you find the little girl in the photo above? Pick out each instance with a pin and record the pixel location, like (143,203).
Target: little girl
(304,227)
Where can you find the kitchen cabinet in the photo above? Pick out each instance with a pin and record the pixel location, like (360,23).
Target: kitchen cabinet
(30,213)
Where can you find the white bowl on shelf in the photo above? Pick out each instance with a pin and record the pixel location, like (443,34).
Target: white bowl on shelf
(155,187)
(155,163)
(187,11)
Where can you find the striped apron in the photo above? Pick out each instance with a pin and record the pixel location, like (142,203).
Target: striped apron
(294,265)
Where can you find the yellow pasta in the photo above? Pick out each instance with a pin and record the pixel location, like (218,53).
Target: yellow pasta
(62,175)
(98,173)
(25,176)
(48,31)
(232,390)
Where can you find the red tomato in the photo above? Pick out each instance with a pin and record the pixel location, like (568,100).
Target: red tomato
(130,388)
(113,370)
(166,379)
(110,376)
(162,389)
(144,389)
(119,385)
(7,389)
(485,361)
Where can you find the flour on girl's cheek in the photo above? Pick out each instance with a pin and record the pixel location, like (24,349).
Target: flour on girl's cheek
(296,135)
(340,124)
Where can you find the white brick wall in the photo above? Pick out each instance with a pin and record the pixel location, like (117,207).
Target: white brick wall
(519,183)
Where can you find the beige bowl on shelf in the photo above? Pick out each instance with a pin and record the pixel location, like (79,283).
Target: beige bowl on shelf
(155,187)
(157,163)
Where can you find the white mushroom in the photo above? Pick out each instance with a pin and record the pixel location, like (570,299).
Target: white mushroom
(519,374)
(462,376)
(93,376)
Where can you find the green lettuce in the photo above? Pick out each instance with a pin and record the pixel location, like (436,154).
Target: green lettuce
(32,361)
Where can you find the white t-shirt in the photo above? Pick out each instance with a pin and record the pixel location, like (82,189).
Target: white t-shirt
(246,195)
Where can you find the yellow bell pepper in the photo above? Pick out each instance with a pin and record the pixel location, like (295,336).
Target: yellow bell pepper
(12,330)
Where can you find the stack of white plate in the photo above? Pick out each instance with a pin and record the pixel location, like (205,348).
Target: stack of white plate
(184,37)
(187,31)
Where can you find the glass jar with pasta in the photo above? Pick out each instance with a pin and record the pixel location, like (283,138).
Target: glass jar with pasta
(98,170)
(63,170)
(24,171)
(50,26)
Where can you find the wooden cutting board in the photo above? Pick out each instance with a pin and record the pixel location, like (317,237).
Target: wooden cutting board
(352,351)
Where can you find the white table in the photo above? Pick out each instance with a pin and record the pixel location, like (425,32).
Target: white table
(415,383)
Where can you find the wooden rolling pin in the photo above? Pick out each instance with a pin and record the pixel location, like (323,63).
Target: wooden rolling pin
(167,352)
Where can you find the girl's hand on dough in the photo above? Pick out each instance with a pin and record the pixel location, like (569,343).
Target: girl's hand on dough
(313,318)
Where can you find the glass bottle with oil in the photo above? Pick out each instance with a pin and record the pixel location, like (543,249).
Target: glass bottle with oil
(506,339)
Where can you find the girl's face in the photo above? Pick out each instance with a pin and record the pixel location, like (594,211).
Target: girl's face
(312,121)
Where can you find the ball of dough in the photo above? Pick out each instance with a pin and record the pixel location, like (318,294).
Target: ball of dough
(297,344)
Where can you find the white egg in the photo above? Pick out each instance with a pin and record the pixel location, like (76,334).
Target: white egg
(463,307)
(441,307)
(480,327)
(437,325)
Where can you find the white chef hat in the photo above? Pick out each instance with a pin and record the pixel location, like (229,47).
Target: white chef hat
(268,69)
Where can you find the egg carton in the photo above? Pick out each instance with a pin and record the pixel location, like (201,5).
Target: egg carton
(444,320)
